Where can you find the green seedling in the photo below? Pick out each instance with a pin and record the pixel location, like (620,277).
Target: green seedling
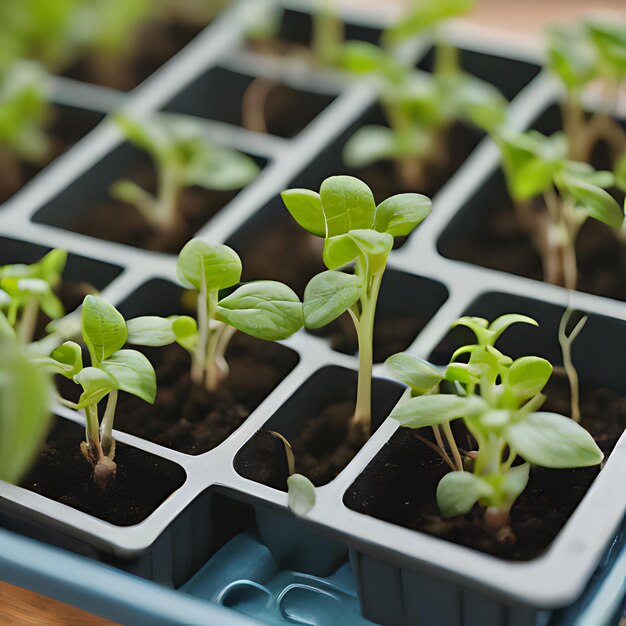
(592,51)
(359,235)
(24,112)
(498,399)
(182,158)
(25,396)
(264,309)
(112,369)
(25,290)
(419,107)
(538,166)
(301,495)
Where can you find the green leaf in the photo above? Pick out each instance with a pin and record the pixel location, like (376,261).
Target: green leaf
(479,102)
(414,372)
(462,373)
(586,173)
(210,264)
(96,384)
(339,251)
(300,494)
(361,57)
(348,204)
(458,492)
(148,134)
(609,38)
(104,328)
(133,372)
(51,305)
(594,201)
(569,57)
(370,144)
(500,324)
(185,329)
(514,483)
(426,15)
(214,167)
(528,375)
(69,357)
(328,295)
(530,161)
(435,409)
(51,266)
(400,214)
(620,173)
(305,207)
(25,393)
(150,330)
(552,440)
(265,309)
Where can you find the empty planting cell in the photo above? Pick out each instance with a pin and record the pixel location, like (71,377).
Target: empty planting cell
(142,482)
(315,421)
(64,126)
(399,484)
(235,97)
(87,207)
(491,230)
(186,416)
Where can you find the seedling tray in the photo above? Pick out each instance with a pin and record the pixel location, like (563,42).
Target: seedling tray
(401,576)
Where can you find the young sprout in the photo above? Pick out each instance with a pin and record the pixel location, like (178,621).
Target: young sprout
(359,235)
(264,309)
(27,289)
(25,395)
(536,165)
(419,107)
(498,399)
(23,114)
(591,51)
(112,369)
(328,33)
(183,158)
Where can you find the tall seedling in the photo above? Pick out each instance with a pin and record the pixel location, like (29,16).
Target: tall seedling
(357,235)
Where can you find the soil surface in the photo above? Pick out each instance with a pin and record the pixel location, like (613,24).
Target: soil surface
(188,418)
(153,45)
(142,482)
(287,111)
(123,223)
(500,242)
(65,127)
(399,485)
(323,447)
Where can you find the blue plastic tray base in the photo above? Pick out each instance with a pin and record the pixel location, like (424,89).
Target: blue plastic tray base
(244,576)
(207,599)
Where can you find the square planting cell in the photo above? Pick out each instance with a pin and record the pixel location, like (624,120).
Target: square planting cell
(186,417)
(86,206)
(233,97)
(314,420)
(491,231)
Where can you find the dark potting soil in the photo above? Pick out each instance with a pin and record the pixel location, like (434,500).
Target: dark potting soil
(288,111)
(188,418)
(65,126)
(123,223)
(323,448)
(153,45)
(142,482)
(400,483)
(500,242)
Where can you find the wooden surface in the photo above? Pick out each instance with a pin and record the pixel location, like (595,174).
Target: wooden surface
(19,607)
(520,18)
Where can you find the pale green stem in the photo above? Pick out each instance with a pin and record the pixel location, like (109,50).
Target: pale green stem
(168,195)
(327,33)
(456,455)
(26,327)
(212,371)
(227,333)
(92,427)
(446,58)
(107,425)
(365,334)
(570,369)
(199,358)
